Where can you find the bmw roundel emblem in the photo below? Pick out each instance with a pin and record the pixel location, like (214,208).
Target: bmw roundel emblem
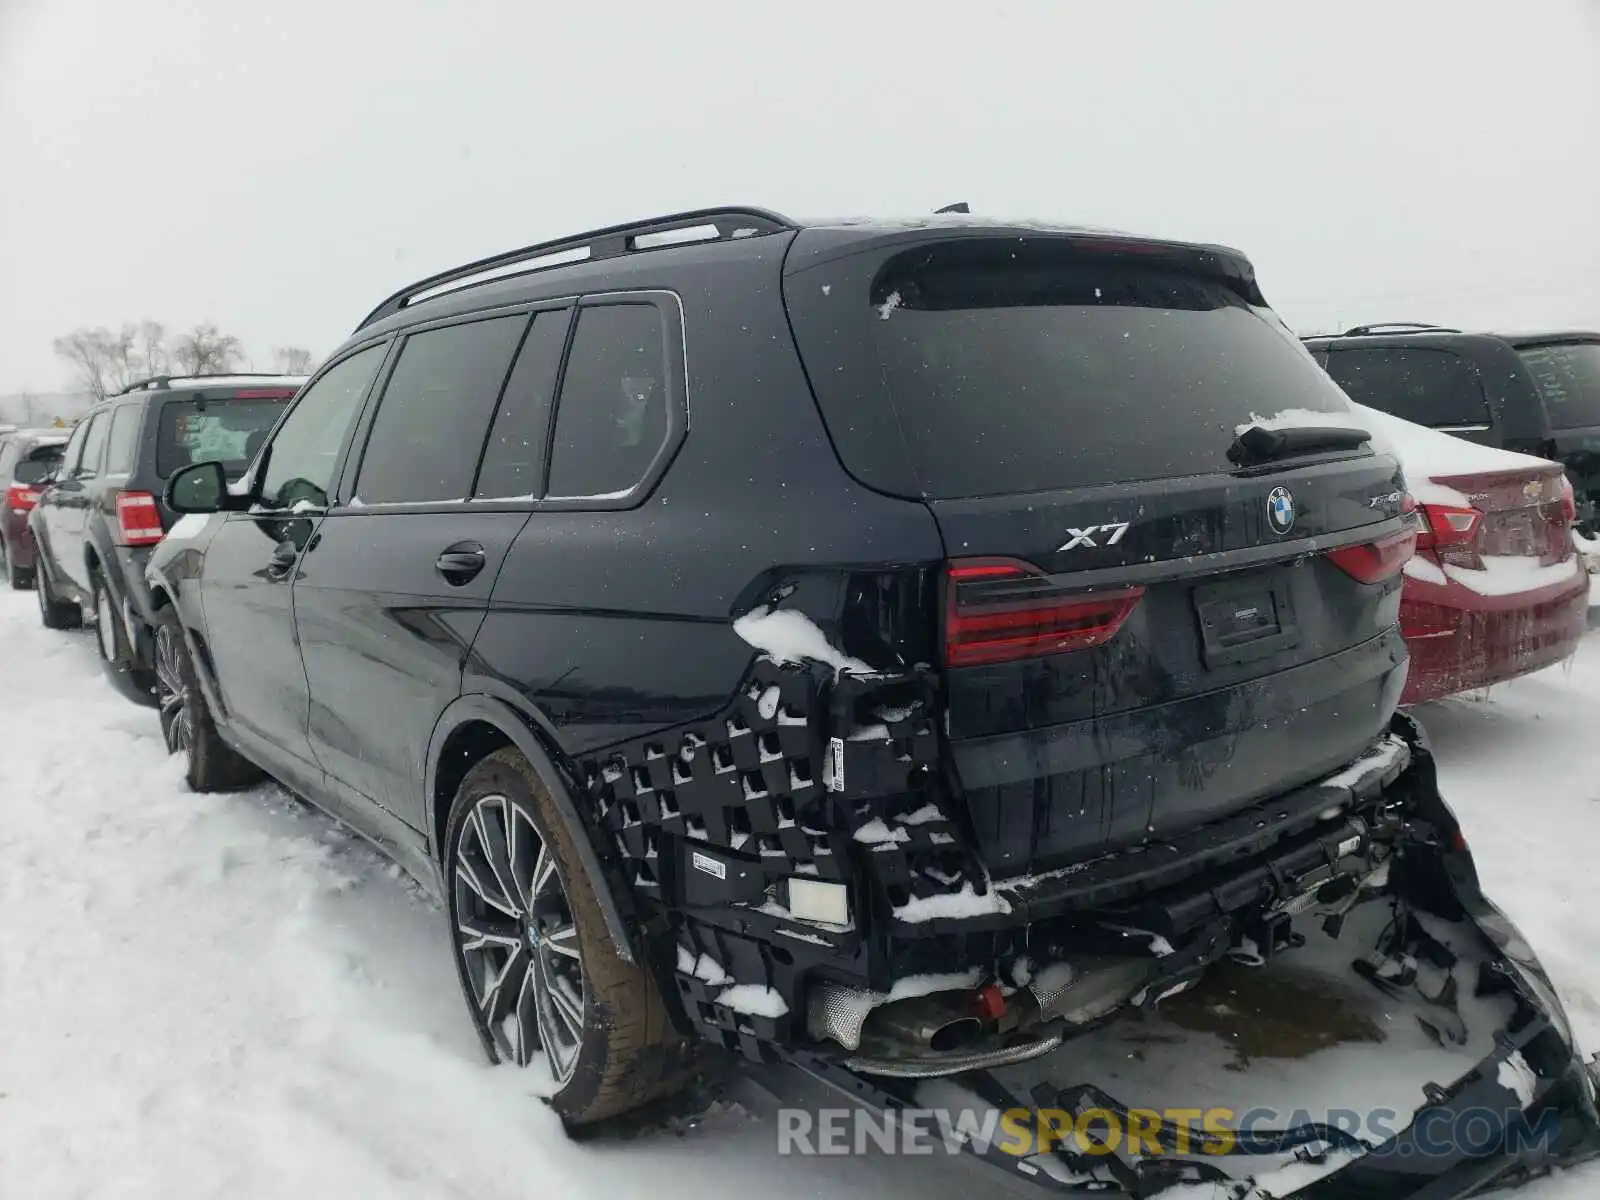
(1280,510)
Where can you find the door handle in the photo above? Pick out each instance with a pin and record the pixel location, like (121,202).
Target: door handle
(461,563)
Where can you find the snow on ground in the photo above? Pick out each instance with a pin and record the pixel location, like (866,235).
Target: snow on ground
(227,996)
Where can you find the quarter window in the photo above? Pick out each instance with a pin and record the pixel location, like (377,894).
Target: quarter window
(612,415)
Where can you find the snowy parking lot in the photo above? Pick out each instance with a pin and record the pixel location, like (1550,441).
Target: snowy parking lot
(229,996)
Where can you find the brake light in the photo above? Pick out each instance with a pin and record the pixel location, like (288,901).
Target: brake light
(264,394)
(1447,525)
(1450,531)
(1569,502)
(20,499)
(1373,562)
(1001,610)
(138,519)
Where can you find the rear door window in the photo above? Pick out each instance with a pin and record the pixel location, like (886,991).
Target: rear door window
(513,461)
(435,411)
(225,431)
(1568,378)
(612,415)
(1426,387)
(1031,368)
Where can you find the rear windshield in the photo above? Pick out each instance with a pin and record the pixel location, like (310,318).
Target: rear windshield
(1568,378)
(1015,371)
(225,431)
(33,465)
(1437,388)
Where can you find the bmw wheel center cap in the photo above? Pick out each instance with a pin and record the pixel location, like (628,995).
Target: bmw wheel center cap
(1280,510)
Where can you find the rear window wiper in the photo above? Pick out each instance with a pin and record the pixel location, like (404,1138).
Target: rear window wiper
(1258,444)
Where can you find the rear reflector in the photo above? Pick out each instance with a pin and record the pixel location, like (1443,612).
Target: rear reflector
(20,499)
(138,519)
(1001,610)
(1373,562)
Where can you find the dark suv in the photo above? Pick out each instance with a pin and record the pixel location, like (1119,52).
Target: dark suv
(883,647)
(1535,393)
(27,458)
(102,512)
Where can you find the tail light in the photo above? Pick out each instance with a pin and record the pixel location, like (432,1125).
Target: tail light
(1450,532)
(1373,562)
(1000,610)
(138,519)
(1569,501)
(21,498)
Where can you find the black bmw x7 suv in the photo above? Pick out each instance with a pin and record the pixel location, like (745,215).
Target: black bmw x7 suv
(884,646)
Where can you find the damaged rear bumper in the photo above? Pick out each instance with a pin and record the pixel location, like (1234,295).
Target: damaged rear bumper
(1522,1107)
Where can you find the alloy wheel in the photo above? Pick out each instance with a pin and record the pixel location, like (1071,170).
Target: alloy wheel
(517,938)
(172,694)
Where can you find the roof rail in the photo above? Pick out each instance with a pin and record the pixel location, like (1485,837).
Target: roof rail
(1399,326)
(715,224)
(143,385)
(159,382)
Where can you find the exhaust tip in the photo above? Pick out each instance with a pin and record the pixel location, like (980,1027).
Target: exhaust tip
(955,1035)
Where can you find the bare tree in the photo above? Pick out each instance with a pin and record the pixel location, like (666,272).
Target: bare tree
(154,357)
(206,350)
(123,363)
(90,352)
(292,360)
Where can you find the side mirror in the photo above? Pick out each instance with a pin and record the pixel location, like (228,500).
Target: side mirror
(198,488)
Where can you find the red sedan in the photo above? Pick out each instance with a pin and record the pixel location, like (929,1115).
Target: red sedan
(1496,588)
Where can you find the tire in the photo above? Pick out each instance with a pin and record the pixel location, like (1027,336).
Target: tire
(56,614)
(620,1048)
(20,578)
(116,656)
(186,724)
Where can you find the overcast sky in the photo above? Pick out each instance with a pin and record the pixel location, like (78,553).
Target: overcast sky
(278,167)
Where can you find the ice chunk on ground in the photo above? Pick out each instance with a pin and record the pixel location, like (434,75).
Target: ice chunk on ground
(1515,1075)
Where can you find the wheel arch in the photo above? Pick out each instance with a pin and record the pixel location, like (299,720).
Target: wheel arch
(475,726)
